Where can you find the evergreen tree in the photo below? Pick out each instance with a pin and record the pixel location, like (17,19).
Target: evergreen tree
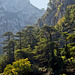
(19,37)
(8,49)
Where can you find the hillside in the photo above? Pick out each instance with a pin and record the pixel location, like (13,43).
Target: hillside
(16,14)
(42,49)
(55,11)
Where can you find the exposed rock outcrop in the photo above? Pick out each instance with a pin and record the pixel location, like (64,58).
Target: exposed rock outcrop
(55,12)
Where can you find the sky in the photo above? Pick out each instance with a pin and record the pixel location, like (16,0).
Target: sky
(40,3)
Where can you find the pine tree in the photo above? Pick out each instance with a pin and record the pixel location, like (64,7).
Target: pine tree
(19,37)
(8,49)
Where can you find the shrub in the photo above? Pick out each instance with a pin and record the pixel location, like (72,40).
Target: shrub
(3,62)
(21,67)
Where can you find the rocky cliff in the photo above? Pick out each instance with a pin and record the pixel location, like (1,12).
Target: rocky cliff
(15,14)
(55,11)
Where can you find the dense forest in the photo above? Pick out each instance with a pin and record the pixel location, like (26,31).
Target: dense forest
(42,49)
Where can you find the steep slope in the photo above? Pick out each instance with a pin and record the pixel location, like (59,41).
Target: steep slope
(56,10)
(16,14)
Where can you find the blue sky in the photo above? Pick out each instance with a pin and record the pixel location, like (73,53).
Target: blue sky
(40,3)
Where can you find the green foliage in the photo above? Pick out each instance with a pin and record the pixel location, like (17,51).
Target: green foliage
(26,38)
(60,7)
(23,53)
(41,52)
(60,24)
(48,46)
(8,49)
(72,51)
(70,15)
(20,67)
(3,62)
(71,37)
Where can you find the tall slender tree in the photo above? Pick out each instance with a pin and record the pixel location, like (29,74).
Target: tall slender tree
(8,49)
(19,36)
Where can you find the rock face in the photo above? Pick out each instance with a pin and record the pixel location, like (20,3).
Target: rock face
(15,14)
(55,12)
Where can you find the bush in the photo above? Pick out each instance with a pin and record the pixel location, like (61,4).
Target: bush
(21,67)
(3,62)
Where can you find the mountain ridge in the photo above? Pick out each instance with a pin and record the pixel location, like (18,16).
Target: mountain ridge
(16,14)
(55,11)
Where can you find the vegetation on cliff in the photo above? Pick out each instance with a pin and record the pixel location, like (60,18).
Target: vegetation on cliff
(50,49)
